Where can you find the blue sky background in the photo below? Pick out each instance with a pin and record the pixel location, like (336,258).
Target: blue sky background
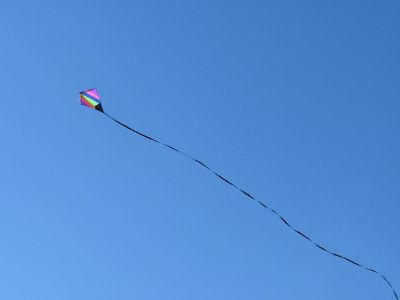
(296,102)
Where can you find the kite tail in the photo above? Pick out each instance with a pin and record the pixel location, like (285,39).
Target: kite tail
(262,204)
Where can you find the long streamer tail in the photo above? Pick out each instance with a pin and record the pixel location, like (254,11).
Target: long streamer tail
(261,203)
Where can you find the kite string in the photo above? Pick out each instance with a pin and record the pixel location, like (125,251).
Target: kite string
(260,203)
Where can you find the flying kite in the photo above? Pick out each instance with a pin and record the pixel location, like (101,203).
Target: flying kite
(91,98)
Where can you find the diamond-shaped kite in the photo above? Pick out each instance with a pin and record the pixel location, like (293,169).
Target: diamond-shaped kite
(91,98)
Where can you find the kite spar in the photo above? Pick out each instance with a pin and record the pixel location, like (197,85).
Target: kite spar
(91,98)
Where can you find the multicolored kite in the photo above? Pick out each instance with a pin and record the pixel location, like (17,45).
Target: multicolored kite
(91,99)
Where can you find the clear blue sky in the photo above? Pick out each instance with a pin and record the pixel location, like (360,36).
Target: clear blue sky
(296,102)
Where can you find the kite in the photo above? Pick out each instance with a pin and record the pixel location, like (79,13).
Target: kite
(91,99)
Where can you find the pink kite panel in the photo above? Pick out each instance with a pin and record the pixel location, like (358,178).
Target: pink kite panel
(93,93)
